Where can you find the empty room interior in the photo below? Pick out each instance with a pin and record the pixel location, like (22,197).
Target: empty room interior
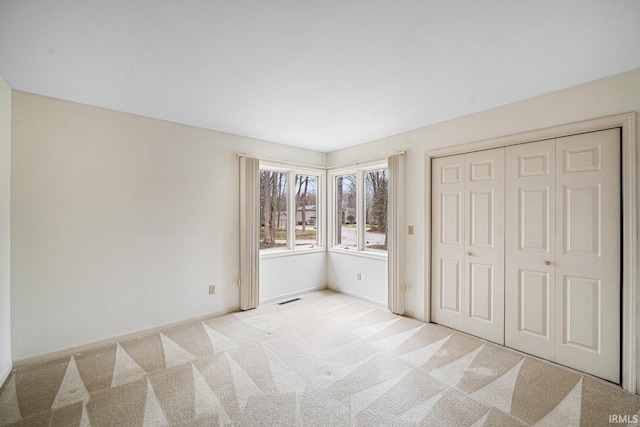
(319,213)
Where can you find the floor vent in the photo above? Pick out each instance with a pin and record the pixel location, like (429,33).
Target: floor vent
(288,301)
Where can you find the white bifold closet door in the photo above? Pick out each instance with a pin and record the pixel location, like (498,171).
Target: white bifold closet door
(468,243)
(530,248)
(563,260)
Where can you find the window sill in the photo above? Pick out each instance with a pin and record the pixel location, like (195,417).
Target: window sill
(382,256)
(288,252)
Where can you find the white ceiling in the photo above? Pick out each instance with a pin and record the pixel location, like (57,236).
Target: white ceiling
(320,74)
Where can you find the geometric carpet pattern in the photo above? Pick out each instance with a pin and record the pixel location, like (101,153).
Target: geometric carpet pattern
(325,360)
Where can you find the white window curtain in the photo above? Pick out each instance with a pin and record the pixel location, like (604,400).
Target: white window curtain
(395,233)
(249,233)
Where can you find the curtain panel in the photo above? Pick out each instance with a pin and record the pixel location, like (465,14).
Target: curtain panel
(249,233)
(395,233)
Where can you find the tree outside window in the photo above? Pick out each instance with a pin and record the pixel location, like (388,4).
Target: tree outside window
(290,204)
(376,186)
(360,209)
(306,188)
(273,209)
(346,211)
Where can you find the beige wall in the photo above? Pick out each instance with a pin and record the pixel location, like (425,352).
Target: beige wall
(5,244)
(610,96)
(120,222)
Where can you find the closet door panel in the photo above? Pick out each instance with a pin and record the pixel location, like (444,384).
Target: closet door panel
(484,245)
(447,257)
(588,253)
(533,303)
(530,248)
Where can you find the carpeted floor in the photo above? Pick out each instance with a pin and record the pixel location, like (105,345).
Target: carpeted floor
(327,359)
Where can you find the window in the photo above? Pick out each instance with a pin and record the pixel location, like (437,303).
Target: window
(360,209)
(306,211)
(376,185)
(273,209)
(346,211)
(290,209)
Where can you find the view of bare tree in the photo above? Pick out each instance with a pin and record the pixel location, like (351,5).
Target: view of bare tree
(273,206)
(306,211)
(376,186)
(275,218)
(301,198)
(346,202)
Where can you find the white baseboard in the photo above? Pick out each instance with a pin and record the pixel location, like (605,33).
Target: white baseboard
(292,294)
(78,348)
(4,373)
(413,315)
(362,297)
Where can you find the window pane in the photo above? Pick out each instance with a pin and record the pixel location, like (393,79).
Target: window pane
(346,215)
(306,219)
(273,209)
(376,184)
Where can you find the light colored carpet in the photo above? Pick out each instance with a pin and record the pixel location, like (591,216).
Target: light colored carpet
(326,360)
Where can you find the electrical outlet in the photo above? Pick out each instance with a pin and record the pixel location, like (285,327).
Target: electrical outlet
(212,289)
(359,276)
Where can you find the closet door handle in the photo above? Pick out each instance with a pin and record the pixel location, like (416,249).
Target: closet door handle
(469,254)
(547,262)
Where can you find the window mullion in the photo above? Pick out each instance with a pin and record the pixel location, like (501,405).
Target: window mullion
(332,217)
(322,214)
(291,210)
(360,195)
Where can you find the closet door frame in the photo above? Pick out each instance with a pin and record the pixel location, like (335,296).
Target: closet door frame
(629,177)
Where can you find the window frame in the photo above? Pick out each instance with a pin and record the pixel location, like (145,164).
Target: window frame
(360,249)
(291,172)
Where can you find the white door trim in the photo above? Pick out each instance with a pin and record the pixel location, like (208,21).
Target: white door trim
(627,122)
